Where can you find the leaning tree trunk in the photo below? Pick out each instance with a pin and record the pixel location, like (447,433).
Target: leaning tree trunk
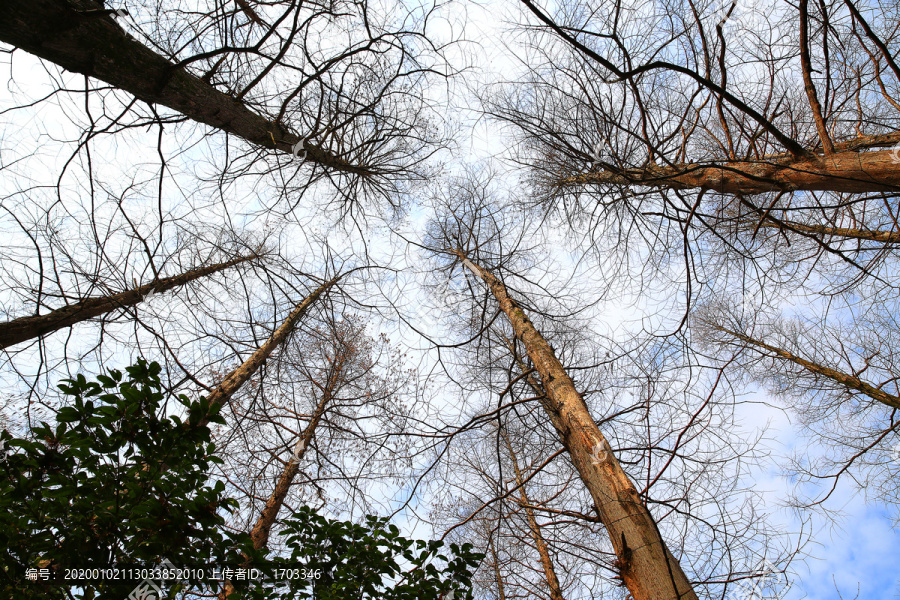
(260,532)
(223,393)
(882,236)
(848,171)
(80,37)
(242,374)
(26,328)
(851,382)
(259,535)
(645,564)
(525,503)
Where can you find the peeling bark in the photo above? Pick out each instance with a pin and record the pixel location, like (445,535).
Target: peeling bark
(647,567)
(26,328)
(65,32)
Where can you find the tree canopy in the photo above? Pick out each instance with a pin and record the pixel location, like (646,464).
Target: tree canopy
(601,296)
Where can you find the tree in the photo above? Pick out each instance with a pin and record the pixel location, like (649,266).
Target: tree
(26,328)
(837,378)
(112,482)
(733,145)
(336,395)
(646,565)
(655,405)
(242,374)
(701,183)
(714,137)
(361,559)
(540,543)
(770,139)
(369,134)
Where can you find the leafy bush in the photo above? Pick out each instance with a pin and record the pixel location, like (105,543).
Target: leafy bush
(116,483)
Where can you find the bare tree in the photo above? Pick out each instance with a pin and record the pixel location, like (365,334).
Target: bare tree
(718,120)
(712,135)
(350,108)
(658,404)
(323,421)
(718,127)
(347,362)
(552,581)
(838,379)
(646,565)
(26,328)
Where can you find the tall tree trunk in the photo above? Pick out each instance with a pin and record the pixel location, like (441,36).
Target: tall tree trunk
(234,380)
(260,532)
(849,381)
(223,393)
(498,577)
(848,171)
(525,503)
(885,237)
(646,565)
(26,328)
(81,38)
(263,527)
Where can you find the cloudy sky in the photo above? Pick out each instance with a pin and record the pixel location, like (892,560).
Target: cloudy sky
(855,556)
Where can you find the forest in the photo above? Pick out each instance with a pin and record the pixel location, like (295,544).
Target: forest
(446,299)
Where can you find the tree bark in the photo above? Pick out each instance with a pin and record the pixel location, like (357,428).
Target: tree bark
(498,577)
(238,377)
(25,328)
(539,542)
(260,532)
(849,381)
(807,70)
(885,237)
(77,36)
(647,567)
(848,172)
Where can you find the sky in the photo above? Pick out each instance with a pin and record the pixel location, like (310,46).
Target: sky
(857,557)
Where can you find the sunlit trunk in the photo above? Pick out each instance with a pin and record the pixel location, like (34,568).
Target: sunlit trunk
(646,565)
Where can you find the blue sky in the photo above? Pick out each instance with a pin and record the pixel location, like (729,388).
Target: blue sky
(861,554)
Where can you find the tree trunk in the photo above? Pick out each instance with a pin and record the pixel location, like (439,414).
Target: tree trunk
(647,567)
(884,237)
(849,381)
(81,38)
(234,380)
(525,503)
(498,577)
(260,532)
(26,328)
(223,393)
(848,171)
